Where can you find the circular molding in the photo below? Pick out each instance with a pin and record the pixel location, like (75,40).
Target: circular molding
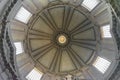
(62,39)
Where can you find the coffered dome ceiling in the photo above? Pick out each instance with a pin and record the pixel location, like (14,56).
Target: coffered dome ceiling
(62,39)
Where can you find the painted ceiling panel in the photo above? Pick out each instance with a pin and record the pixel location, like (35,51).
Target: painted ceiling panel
(77,19)
(49,56)
(84,53)
(57,15)
(36,44)
(40,25)
(87,34)
(66,62)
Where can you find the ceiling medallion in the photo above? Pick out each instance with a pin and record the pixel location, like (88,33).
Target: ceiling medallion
(61,39)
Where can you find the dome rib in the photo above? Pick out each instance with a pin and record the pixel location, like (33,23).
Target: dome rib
(79,33)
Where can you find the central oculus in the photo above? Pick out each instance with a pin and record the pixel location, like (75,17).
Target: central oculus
(62,39)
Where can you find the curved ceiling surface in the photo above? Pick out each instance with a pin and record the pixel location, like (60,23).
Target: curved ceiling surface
(62,39)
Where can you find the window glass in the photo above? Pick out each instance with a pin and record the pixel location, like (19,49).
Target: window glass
(105,31)
(23,15)
(19,47)
(34,75)
(90,4)
(101,64)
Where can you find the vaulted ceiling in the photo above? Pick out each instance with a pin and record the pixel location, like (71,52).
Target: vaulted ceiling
(62,37)
(75,27)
